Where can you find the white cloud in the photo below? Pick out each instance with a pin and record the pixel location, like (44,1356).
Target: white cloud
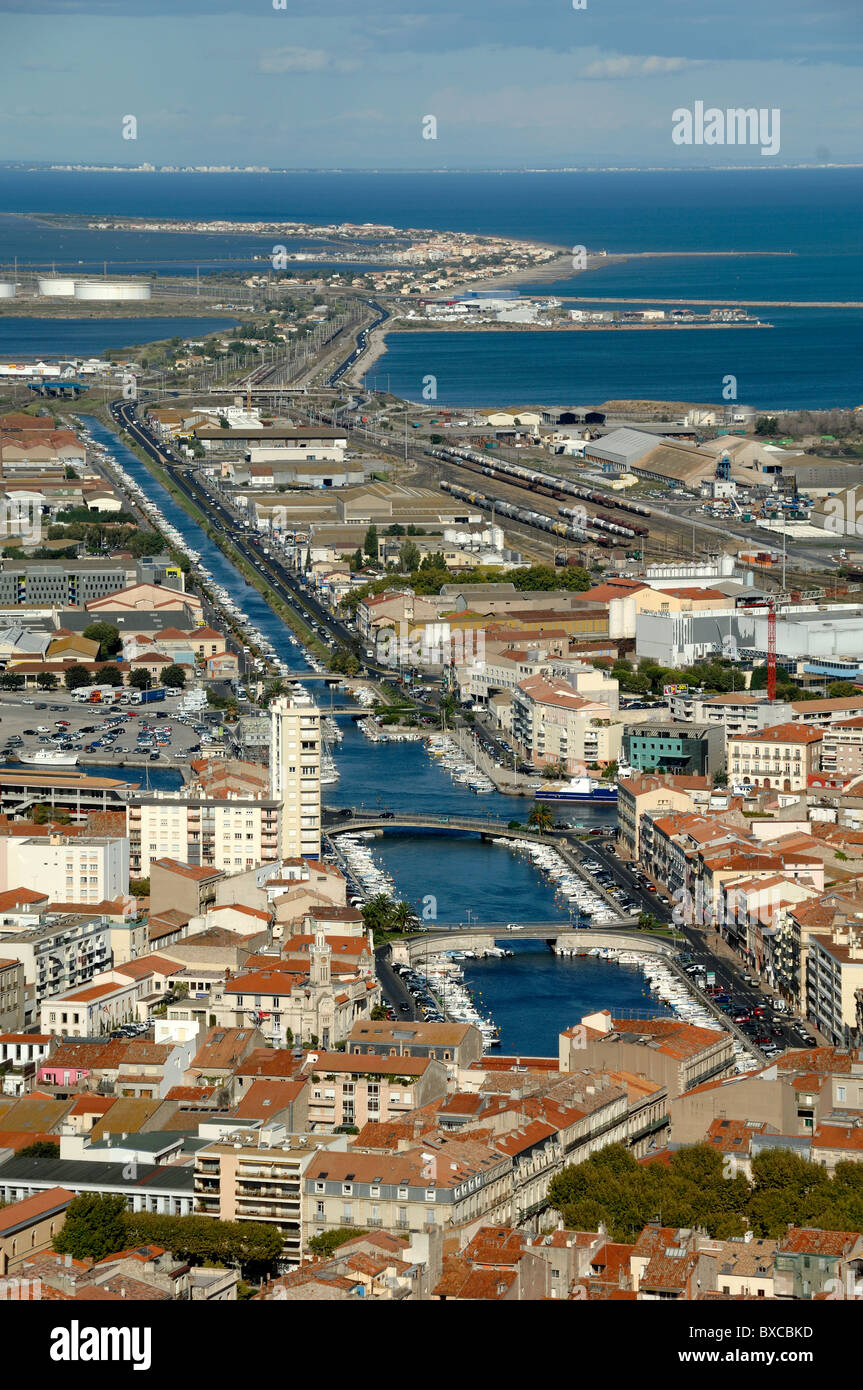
(619,66)
(316,60)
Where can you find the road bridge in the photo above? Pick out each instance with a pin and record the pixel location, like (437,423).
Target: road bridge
(340,822)
(352,820)
(478,936)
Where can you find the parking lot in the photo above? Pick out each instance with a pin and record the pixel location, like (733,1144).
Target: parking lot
(53,722)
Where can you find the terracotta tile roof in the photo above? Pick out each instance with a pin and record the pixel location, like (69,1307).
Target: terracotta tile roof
(33,1209)
(807,1240)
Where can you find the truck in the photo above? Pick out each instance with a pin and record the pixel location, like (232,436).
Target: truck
(97,694)
(147,697)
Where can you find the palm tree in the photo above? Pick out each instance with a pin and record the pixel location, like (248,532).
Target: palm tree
(402,917)
(541,819)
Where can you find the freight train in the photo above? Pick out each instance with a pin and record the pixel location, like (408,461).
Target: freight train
(539,520)
(546,483)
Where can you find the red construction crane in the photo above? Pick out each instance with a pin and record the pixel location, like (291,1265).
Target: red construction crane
(771,651)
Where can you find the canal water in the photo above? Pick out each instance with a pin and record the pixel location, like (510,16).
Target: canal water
(535,995)
(223,572)
(531,996)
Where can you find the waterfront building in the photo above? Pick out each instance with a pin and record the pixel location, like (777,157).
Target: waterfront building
(457,1045)
(661,746)
(676,1054)
(295,772)
(658,794)
(783,757)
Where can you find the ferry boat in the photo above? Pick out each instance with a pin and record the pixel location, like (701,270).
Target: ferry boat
(580,789)
(49,757)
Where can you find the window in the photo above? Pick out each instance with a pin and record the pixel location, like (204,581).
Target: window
(347,1189)
(320,1187)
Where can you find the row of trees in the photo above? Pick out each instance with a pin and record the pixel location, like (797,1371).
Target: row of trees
(97,1226)
(717,675)
(699,1186)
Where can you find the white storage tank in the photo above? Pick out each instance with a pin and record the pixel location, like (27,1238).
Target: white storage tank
(58,285)
(112,289)
(7,289)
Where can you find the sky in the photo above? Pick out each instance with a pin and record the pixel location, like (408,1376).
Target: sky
(352,84)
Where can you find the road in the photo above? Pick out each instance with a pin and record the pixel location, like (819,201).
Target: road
(694,942)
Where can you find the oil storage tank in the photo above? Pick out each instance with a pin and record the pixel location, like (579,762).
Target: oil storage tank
(60,286)
(113,289)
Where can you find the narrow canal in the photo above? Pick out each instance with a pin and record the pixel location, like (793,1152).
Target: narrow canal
(532,995)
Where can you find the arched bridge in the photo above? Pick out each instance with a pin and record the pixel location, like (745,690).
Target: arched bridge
(480,934)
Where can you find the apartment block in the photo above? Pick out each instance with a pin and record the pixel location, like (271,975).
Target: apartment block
(60,954)
(834,984)
(230,834)
(68,869)
(354,1088)
(446,1183)
(11,996)
(781,758)
(258,1175)
(295,772)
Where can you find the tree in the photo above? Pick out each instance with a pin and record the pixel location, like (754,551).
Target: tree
(370,543)
(357,560)
(43,1148)
(108,675)
(174,677)
(249,1244)
(94,1227)
(145,543)
(10,680)
(541,819)
(108,637)
(378,1012)
(840,690)
(409,556)
(767,424)
(76,676)
(46,680)
(402,917)
(140,680)
(329,1241)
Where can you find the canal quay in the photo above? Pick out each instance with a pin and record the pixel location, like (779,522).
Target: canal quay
(448,877)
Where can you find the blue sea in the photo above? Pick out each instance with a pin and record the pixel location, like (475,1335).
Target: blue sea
(810,358)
